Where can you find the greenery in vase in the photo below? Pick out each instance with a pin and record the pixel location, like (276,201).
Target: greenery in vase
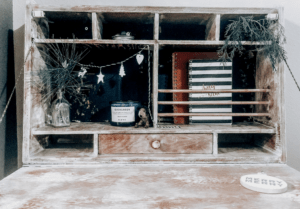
(59,74)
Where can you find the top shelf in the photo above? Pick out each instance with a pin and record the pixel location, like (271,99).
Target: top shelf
(144,23)
(98,8)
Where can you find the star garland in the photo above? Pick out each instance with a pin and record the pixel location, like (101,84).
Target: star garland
(139,58)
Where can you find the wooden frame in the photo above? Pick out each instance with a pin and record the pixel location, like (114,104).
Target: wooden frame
(34,125)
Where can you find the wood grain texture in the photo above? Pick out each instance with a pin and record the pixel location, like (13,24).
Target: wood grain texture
(106,128)
(211,28)
(145,186)
(90,41)
(265,79)
(226,155)
(155,84)
(97,26)
(27,89)
(142,143)
(207,10)
(281,76)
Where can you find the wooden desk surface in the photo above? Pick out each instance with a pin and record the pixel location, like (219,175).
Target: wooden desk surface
(145,186)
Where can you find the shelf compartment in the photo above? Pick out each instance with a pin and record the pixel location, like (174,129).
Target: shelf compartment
(65,25)
(140,25)
(62,146)
(174,26)
(227,18)
(246,144)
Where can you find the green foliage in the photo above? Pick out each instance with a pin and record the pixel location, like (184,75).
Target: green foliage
(59,71)
(270,34)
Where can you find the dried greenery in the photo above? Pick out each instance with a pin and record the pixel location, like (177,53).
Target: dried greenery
(59,74)
(268,32)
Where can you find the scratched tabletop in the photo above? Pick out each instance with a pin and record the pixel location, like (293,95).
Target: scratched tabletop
(145,186)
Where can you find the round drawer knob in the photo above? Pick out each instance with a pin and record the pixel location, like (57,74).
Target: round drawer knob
(156,144)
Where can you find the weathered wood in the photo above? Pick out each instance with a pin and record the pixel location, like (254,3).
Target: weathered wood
(106,128)
(212,91)
(151,15)
(242,153)
(40,28)
(207,10)
(142,143)
(90,41)
(155,84)
(205,42)
(213,28)
(266,79)
(156,27)
(212,114)
(97,26)
(27,90)
(151,186)
(214,103)
(281,127)
(95,145)
(215,143)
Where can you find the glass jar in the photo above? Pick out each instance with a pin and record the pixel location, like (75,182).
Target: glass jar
(60,110)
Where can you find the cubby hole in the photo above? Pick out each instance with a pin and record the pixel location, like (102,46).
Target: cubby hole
(184,26)
(172,56)
(140,25)
(226,19)
(66,25)
(62,146)
(94,102)
(247,144)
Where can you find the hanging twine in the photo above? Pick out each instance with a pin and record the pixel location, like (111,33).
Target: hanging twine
(117,63)
(16,83)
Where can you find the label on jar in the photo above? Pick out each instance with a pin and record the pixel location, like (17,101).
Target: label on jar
(122,114)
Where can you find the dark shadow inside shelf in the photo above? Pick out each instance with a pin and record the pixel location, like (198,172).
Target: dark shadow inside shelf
(63,146)
(177,26)
(177,31)
(140,25)
(65,25)
(246,144)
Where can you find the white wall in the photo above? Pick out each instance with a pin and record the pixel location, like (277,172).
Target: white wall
(292,26)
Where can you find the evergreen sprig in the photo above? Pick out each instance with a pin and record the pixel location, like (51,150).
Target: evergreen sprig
(268,32)
(58,74)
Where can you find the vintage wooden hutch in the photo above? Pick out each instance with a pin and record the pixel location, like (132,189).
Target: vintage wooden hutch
(258,138)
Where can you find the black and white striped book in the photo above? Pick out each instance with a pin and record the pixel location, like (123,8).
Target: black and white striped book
(208,74)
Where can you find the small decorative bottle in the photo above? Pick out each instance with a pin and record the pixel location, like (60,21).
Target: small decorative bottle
(60,109)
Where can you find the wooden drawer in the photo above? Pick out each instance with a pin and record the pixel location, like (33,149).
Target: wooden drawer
(142,143)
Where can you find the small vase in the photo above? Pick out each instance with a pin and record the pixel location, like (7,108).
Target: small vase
(60,110)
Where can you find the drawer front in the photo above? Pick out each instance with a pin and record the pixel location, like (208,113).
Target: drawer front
(165,143)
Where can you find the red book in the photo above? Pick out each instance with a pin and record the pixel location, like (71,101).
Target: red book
(180,79)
